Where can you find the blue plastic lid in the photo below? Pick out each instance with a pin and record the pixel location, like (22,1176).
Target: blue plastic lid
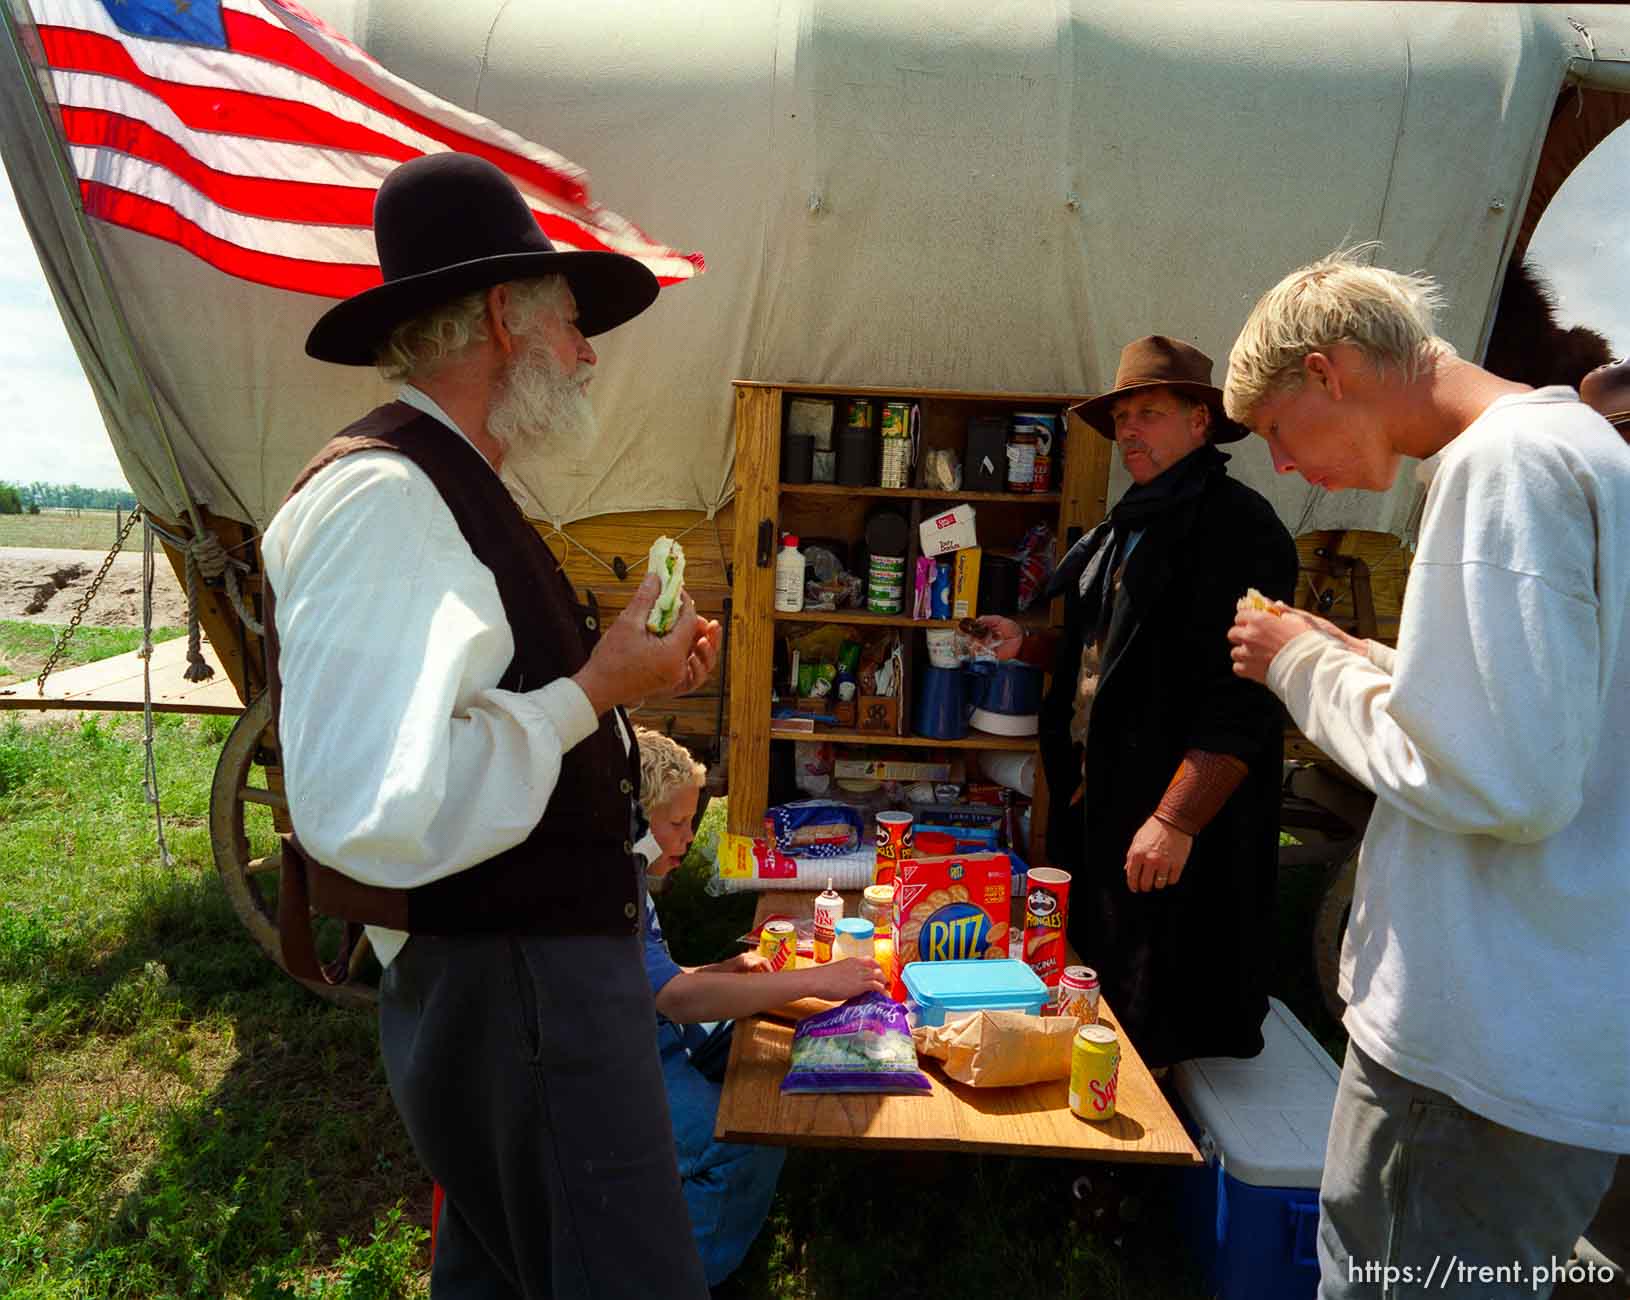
(858,926)
(973,985)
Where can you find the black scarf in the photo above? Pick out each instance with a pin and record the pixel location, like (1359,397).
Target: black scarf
(1088,565)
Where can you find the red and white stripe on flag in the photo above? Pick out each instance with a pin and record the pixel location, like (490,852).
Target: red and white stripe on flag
(254,136)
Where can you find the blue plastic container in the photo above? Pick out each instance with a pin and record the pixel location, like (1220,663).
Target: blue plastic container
(941,989)
(1251,1215)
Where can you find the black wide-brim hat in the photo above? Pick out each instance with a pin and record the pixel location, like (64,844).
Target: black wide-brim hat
(1156,361)
(448,224)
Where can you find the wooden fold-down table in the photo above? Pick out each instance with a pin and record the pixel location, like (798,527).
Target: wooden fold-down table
(1031,1121)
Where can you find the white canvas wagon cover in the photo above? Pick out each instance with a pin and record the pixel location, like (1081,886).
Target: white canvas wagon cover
(979,194)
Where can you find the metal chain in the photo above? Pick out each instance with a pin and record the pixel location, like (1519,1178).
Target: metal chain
(85,601)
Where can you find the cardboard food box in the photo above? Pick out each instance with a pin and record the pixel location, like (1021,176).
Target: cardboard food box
(877,713)
(896,769)
(965,584)
(950,909)
(950,531)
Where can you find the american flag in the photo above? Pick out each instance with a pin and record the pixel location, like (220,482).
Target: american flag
(253,136)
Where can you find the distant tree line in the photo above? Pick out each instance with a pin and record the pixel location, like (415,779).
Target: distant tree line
(31,498)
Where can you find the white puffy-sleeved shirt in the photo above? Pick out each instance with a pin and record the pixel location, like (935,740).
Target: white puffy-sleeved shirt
(403,768)
(1488,954)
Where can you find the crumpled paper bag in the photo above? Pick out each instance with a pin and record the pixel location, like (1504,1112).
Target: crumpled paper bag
(1000,1049)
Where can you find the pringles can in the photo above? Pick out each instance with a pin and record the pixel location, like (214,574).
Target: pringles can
(893,845)
(1095,1071)
(1046,908)
(778,941)
(1078,994)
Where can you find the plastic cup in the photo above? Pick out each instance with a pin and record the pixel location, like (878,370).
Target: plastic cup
(942,647)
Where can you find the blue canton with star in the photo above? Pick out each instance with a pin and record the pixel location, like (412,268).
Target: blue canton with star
(197,22)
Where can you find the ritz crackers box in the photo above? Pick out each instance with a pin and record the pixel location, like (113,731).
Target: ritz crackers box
(950,908)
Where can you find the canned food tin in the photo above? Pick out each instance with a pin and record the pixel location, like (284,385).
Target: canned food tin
(877,906)
(1095,1070)
(895,431)
(778,941)
(1078,994)
(858,414)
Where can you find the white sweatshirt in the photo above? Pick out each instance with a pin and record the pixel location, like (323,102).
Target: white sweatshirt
(1488,955)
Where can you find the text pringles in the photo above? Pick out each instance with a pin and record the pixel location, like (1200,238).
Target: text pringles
(1046,909)
(952,908)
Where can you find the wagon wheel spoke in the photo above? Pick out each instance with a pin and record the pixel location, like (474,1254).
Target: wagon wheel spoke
(359,954)
(266,798)
(272,862)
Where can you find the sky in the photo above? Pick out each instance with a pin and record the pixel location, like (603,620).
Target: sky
(52,432)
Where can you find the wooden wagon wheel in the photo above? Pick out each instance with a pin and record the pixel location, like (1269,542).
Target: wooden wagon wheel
(1330,928)
(251,882)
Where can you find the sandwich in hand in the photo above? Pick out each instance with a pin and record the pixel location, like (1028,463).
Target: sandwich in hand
(668,563)
(1253,599)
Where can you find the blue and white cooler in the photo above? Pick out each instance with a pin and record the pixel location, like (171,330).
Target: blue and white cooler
(1252,1213)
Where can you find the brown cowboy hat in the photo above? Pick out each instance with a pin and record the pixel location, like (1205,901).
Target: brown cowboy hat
(1156,361)
(447,224)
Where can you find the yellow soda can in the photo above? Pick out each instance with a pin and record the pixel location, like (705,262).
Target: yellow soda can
(1095,1071)
(778,941)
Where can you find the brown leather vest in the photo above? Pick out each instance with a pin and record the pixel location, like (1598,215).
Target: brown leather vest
(576,873)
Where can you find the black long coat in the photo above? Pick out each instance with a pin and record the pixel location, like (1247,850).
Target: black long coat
(1186,967)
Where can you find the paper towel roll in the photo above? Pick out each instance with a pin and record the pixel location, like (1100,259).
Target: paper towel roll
(1010,767)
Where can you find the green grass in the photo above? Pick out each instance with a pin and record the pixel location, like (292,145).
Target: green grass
(88,530)
(24,647)
(176,1117)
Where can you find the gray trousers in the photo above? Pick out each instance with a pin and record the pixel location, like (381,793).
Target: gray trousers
(1421,1197)
(526,1072)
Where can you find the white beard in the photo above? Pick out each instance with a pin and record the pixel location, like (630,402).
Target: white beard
(545,423)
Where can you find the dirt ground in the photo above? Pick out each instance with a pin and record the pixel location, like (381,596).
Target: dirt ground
(44,586)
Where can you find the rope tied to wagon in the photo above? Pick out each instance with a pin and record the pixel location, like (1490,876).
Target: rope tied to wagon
(149,572)
(208,559)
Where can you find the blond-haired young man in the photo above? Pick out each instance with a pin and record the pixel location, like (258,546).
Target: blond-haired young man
(1487,1080)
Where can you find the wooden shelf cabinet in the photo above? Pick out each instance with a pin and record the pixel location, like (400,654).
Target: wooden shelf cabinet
(765,508)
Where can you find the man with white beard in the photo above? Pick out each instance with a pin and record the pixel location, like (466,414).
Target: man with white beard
(459,770)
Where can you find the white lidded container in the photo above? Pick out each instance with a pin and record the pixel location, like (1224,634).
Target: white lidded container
(789,575)
(1252,1214)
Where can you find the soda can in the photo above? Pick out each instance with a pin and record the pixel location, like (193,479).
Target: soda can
(1078,994)
(778,941)
(1046,909)
(1095,1072)
(828,912)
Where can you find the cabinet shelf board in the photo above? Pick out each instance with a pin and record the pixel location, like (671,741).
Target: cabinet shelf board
(864,618)
(917,494)
(914,394)
(1023,744)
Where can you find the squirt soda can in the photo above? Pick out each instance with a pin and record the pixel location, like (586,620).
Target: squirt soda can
(893,845)
(828,912)
(1046,908)
(1095,1072)
(778,941)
